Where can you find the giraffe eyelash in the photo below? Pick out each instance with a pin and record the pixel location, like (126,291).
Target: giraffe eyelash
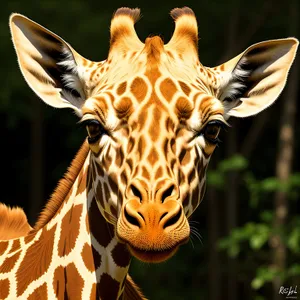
(101,132)
(213,141)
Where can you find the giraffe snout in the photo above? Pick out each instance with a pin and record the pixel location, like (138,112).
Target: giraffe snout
(164,190)
(153,230)
(153,216)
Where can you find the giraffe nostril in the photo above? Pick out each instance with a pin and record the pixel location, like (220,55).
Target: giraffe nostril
(130,219)
(136,192)
(173,220)
(167,193)
(164,214)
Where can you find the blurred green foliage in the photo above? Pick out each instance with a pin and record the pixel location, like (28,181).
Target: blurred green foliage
(253,238)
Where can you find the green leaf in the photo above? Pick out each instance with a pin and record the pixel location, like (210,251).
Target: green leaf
(257,283)
(215,179)
(234,250)
(263,275)
(271,184)
(294,180)
(260,237)
(294,270)
(267,216)
(293,241)
(253,187)
(234,163)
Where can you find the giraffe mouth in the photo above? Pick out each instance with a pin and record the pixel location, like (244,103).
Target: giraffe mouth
(151,255)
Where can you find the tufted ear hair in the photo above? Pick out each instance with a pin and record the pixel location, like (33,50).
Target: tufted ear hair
(50,66)
(253,80)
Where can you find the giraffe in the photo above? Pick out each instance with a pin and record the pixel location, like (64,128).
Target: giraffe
(153,114)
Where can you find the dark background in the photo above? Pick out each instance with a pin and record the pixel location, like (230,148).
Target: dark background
(248,248)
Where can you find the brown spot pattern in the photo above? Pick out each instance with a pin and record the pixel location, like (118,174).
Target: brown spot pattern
(39,293)
(9,263)
(185,88)
(3,247)
(4,290)
(184,157)
(168,89)
(81,187)
(121,88)
(59,283)
(108,287)
(184,107)
(145,173)
(158,173)
(29,238)
(101,230)
(153,156)
(74,282)
(154,130)
(87,257)
(15,246)
(140,147)
(130,144)
(142,118)
(139,89)
(36,260)
(94,292)
(91,258)
(69,230)
(123,107)
(121,255)
(87,223)
(119,157)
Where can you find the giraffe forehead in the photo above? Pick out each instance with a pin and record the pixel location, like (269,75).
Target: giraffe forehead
(142,99)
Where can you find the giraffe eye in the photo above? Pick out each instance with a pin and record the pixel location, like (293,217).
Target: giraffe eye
(95,130)
(212,130)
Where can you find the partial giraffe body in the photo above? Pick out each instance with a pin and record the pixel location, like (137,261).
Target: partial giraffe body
(153,113)
(60,256)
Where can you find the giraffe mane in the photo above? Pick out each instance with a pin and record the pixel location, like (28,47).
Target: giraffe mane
(13,222)
(63,187)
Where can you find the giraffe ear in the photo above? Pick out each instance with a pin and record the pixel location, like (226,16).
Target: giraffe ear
(253,80)
(50,66)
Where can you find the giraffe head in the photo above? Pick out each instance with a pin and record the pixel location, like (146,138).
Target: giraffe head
(153,113)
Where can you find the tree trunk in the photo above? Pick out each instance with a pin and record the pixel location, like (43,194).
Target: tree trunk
(285,158)
(36,161)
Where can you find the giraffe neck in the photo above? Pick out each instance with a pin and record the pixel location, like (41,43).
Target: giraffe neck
(75,254)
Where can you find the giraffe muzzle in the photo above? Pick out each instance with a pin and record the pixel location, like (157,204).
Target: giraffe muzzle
(153,231)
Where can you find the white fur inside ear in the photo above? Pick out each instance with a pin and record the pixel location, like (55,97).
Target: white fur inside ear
(71,79)
(232,83)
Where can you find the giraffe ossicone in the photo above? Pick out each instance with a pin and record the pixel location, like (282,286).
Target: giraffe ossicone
(153,114)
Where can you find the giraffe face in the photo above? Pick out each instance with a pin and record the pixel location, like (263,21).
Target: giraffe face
(151,136)
(153,113)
